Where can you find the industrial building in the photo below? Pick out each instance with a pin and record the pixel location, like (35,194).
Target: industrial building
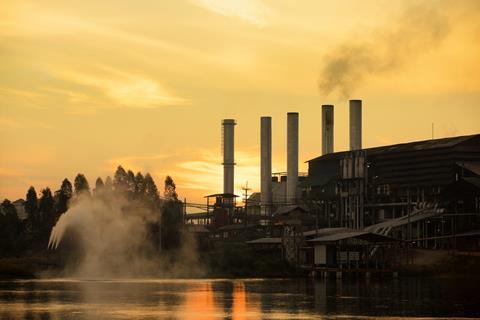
(425,194)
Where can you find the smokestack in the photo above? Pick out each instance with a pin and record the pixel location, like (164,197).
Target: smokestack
(292,156)
(355,124)
(327,129)
(228,154)
(266,162)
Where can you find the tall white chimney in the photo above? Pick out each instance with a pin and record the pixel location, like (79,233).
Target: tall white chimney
(228,135)
(327,129)
(355,124)
(266,163)
(292,156)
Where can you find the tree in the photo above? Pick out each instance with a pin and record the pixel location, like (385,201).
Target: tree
(46,207)
(151,192)
(130,183)
(81,185)
(108,185)
(46,204)
(169,192)
(172,216)
(139,186)
(62,197)
(10,229)
(120,180)
(31,204)
(99,187)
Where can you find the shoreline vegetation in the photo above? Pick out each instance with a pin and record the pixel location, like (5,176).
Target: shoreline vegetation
(231,262)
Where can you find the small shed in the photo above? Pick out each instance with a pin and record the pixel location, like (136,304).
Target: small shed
(350,249)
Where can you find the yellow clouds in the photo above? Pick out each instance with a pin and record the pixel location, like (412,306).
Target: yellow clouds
(126,89)
(252,11)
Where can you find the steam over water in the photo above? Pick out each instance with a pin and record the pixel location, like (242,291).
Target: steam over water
(112,238)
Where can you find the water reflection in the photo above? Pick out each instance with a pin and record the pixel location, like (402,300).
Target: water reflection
(238,299)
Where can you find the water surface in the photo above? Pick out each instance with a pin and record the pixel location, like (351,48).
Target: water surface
(239,299)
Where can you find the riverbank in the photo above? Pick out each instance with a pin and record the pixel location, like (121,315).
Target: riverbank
(234,260)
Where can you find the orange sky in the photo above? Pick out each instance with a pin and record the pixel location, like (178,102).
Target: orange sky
(86,86)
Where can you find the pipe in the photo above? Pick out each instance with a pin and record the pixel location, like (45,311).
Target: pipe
(327,129)
(228,135)
(355,124)
(266,163)
(292,156)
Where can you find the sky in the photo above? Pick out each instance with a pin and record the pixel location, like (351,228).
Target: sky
(86,86)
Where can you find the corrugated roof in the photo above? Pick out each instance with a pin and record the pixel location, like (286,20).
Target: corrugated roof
(339,236)
(473,166)
(405,147)
(364,235)
(290,208)
(224,195)
(324,231)
(265,241)
(404,220)
(232,227)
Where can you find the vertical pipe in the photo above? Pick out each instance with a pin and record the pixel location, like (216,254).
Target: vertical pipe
(292,156)
(228,154)
(327,129)
(355,124)
(266,163)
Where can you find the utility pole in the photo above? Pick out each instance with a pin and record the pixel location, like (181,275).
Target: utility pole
(245,200)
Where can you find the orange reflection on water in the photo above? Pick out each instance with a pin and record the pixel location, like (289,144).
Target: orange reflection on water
(239,306)
(245,305)
(199,303)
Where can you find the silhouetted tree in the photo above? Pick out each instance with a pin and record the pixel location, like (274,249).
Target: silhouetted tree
(47,213)
(31,204)
(62,197)
(139,185)
(120,179)
(10,229)
(130,183)
(169,192)
(99,187)
(172,217)
(108,185)
(151,192)
(81,185)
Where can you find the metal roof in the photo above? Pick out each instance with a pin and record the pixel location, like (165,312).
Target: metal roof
(350,234)
(224,195)
(405,147)
(323,231)
(404,220)
(473,166)
(290,208)
(265,241)
(232,227)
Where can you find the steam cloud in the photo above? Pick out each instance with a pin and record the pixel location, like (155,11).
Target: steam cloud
(418,29)
(114,242)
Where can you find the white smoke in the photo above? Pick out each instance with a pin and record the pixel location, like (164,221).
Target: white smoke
(113,239)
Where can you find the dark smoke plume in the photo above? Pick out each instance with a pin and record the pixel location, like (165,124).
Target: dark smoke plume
(418,29)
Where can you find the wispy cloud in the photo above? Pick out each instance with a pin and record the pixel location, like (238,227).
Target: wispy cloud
(252,11)
(126,89)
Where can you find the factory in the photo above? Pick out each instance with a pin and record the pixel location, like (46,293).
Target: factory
(424,194)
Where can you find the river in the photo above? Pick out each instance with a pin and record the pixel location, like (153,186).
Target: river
(239,299)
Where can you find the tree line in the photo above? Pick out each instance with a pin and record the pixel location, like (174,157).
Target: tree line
(30,236)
